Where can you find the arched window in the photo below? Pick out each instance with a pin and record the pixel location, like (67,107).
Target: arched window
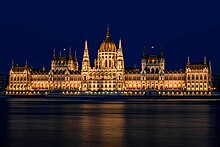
(152,70)
(205,77)
(197,77)
(193,77)
(188,77)
(110,64)
(106,63)
(200,77)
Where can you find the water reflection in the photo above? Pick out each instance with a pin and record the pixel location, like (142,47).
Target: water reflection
(72,124)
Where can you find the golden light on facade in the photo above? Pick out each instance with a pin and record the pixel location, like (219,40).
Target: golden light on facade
(109,74)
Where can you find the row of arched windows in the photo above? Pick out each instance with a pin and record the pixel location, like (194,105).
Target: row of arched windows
(197,77)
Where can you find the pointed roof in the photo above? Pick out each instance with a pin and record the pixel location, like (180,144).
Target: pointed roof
(60,53)
(205,62)
(54,53)
(75,57)
(188,61)
(144,56)
(86,44)
(70,53)
(120,44)
(12,64)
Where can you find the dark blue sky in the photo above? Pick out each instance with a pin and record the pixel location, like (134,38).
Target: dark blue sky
(30,30)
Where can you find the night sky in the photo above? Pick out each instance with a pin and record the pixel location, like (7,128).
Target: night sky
(30,30)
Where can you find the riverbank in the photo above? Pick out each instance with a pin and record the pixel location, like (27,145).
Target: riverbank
(111,99)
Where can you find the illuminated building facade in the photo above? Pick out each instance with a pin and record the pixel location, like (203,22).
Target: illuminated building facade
(109,76)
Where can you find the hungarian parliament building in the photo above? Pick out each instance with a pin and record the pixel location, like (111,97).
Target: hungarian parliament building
(109,76)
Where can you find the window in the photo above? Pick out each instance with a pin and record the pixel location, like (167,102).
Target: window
(152,70)
(106,64)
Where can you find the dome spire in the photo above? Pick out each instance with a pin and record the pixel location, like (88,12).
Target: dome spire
(108,33)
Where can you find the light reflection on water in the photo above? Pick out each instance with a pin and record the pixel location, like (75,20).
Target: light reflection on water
(74,124)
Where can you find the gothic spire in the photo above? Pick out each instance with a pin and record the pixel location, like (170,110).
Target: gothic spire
(75,57)
(26,64)
(120,53)
(205,60)
(188,62)
(12,64)
(144,53)
(70,53)
(162,54)
(120,44)
(86,44)
(54,53)
(60,53)
(86,61)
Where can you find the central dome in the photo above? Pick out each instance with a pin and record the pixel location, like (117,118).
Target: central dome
(108,45)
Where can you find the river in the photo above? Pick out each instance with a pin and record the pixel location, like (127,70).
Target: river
(39,123)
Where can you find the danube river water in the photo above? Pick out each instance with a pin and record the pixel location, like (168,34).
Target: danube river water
(59,123)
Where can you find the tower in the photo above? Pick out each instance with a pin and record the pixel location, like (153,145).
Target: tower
(86,61)
(162,61)
(70,60)
(210,74)
(144,60)
(53,62)
(76,65)
(120,58)
(12,65)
